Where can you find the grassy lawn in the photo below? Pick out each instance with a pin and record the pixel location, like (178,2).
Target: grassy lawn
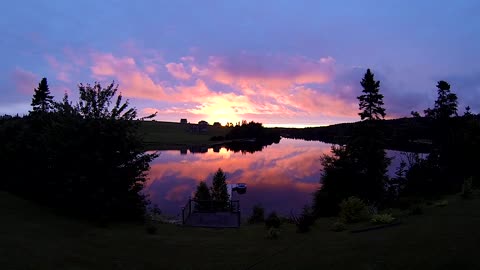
(32,237)
(169,135)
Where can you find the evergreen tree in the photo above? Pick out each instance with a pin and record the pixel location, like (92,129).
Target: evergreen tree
(42,101)
(202,193)
(202,197)
(445,159)
(446,103)
(371,101)
(359,168)
(219,187)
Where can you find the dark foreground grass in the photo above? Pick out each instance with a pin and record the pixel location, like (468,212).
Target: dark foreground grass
(171,136)
(32,237)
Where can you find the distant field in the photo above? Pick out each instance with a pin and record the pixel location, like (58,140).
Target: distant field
(32,237)
(169,135)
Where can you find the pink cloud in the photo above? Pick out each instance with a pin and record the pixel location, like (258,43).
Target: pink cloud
(224,89)
(134,82)
(24,80)
(62,70)
(177,70)
(151,69)
(270,71)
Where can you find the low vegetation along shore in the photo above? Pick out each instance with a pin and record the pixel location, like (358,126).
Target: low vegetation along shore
(33,237)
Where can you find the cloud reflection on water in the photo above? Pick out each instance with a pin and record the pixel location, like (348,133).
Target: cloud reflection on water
(281,177)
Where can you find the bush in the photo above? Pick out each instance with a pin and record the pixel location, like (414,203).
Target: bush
(338,226)
(416,209)
(382,219)
(272,233)
(353,210)
(406,203)
(258,214)
(305,220)
(272,221)
(441,203)
(151,229)
(467,188)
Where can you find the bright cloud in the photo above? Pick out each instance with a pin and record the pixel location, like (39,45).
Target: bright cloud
(177,70)
(264,88)
(135,83)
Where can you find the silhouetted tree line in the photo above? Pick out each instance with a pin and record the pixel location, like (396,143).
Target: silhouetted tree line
(248,137)
(358,167)
(403,134)
(84,159)
(252,130)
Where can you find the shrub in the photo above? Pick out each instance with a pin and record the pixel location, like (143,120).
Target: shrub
(151,229)
(441,203)
(272,221)
(305,220)
(467,188)
(272,233)
(382,219)
(353,210)
(416,209)
(338,226)
(258,214)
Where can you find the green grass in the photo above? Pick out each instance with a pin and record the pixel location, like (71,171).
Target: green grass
(169,135)
(32,237)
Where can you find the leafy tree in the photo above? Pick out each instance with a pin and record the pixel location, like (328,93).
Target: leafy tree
(446,103)
(42,100)
(86,159)
(95,103)
(371,102)
(415,114)
(219,187)
(467,112)
(202,193)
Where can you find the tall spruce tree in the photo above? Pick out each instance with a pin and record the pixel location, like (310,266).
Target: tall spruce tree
(219,187)
(42,100)
(371,102)
(358,168)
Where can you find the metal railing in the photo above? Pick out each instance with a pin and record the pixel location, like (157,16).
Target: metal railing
(209,206)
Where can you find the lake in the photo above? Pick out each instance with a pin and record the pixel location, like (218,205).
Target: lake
(281,177)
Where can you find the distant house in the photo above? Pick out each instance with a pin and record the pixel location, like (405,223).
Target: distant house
(202,126)
(183,121)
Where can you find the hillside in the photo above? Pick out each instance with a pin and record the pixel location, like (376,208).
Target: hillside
(170,136)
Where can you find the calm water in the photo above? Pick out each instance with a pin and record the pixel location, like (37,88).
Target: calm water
(281,177)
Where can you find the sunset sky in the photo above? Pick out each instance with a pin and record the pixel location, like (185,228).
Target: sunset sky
(282,63)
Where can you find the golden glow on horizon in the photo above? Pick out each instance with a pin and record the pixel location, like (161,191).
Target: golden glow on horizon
(293,125)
